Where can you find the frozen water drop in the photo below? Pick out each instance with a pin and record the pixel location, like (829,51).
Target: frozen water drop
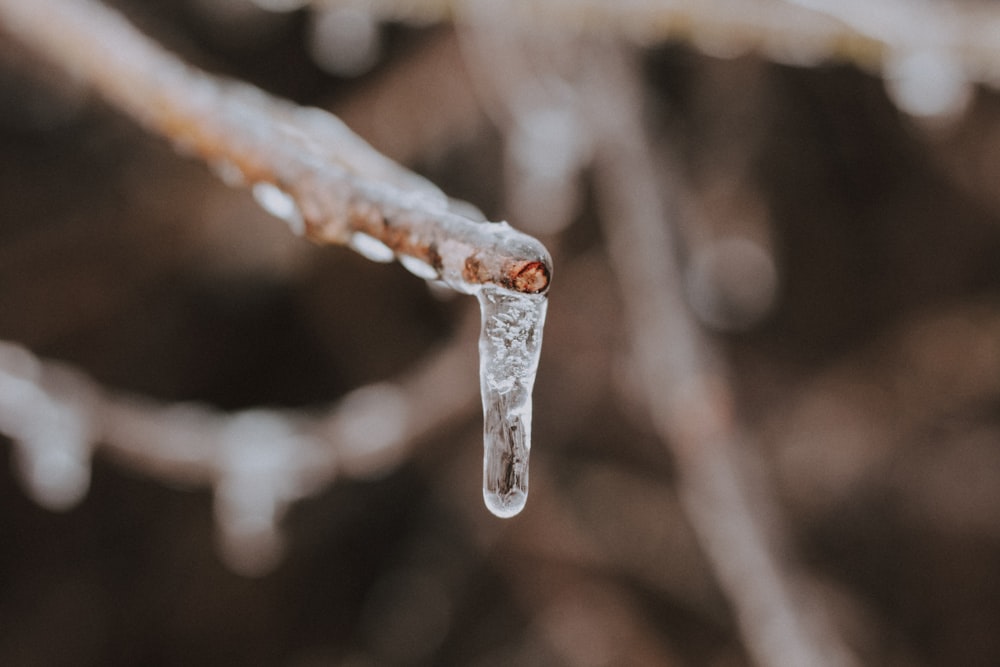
(257,481)
(510,503)
(371,248)
(510,343)
(230,174)
(928,84)
(419,268)
(280,204)
(56,475)
(344,41)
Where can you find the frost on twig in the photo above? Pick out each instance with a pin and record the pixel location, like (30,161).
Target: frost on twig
(304,165)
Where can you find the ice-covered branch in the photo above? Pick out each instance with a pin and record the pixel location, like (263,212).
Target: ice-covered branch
(302,163)
(257,461)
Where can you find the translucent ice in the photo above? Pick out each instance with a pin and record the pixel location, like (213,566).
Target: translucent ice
(928,83)
(419,268)
(509,346)
(344,41)
(51,450)
(257,481)
(371,248)
(279,204)
(56,472)
(229,172)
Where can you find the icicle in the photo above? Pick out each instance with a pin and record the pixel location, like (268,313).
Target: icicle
(257,462)
(546,149)
(51,435)
(54,462)
(509,346)
(344,41)
(928,83)
(229,172)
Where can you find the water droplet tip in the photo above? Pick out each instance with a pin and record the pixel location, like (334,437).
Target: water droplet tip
(505,505)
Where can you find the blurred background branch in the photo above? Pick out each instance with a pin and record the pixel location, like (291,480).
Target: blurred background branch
(766,413)
(800,32)
(687,388)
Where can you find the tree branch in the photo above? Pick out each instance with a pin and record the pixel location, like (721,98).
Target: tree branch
(257,461)
(687,391)
(793,31)
(304,164)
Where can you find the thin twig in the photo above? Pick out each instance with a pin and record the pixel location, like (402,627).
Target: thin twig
(340,186)
(256,461)
(179,442)
(686,388)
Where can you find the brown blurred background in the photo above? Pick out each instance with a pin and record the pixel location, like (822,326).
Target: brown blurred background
(843,255)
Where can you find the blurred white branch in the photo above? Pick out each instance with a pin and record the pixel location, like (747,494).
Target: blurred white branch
(800,32)
(257,461)
(686,387)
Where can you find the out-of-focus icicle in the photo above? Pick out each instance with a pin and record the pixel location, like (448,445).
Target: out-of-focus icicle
(344,40)
(521,80)
(259,476)
(51,432)
(930,83)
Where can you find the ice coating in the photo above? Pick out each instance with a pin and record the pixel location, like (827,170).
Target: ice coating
(50,433)
(371,248)
(928,83)
(280,204)
(509,347)
(419,268)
